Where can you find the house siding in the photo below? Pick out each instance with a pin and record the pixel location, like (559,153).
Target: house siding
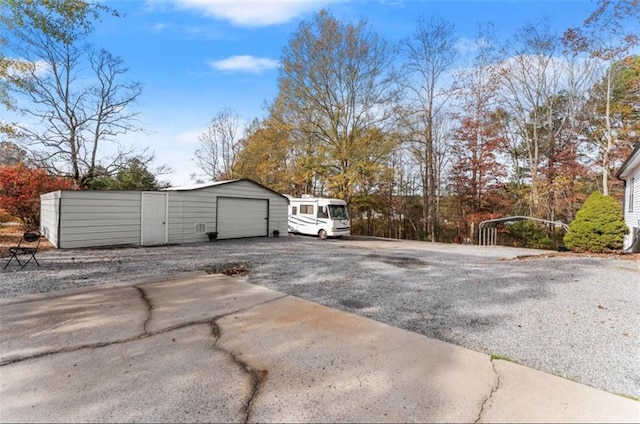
(632,215)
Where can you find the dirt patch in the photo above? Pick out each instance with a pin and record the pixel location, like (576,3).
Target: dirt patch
(400,261)
(354,303)
(233,269)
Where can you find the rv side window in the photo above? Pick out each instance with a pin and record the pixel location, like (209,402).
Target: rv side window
(322,212)
(306,209)
(294,210)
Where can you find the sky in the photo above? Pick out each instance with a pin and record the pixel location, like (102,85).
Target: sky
(196,57)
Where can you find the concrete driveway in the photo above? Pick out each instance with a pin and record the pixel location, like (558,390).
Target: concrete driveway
(210,348)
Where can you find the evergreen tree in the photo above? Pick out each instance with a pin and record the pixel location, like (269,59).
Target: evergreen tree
(599,226)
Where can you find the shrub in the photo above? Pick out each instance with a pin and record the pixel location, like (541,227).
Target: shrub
(20,190)
(599,226)
(530,234)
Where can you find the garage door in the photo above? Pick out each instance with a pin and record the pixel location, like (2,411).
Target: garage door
(238,217)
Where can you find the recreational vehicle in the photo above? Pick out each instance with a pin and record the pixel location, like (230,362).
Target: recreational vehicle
(318,216)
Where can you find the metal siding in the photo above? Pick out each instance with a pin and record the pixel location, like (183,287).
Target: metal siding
(99,218)
(102,218)
(49,216)
(188,208)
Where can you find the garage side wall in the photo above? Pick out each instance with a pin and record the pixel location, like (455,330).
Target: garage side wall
(99,218)
(49,216)
(192,213)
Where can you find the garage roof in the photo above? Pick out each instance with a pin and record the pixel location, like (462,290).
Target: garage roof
(199,186)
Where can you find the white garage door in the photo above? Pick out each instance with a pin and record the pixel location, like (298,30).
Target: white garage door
(239,217)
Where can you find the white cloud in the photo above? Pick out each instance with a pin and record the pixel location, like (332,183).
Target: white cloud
(254,12)
(244,63)
(189,137)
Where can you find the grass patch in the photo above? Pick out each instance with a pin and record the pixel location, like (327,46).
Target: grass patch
(629,397)
(502,358)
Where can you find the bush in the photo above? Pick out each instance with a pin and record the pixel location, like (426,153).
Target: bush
(531,235)
(599,226)
(20,190)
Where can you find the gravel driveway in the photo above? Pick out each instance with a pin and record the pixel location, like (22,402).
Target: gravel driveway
(574,317)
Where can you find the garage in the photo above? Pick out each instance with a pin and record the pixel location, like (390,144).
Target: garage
(230,209)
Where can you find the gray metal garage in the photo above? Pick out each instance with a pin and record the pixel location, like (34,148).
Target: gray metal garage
(232,209)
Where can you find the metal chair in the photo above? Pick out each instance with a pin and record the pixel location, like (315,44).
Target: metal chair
(28,245)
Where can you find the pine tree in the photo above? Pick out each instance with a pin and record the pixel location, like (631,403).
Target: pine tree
(599,226)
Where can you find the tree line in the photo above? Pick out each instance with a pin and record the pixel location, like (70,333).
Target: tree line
(423,148)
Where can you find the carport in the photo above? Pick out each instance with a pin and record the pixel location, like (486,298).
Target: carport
(488,230)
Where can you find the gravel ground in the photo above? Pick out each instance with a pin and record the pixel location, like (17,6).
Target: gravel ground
(577,317)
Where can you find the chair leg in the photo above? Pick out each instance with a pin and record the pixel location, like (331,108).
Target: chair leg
(13,256)
(33,256)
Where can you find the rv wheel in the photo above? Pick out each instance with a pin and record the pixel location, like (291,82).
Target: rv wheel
(322,234)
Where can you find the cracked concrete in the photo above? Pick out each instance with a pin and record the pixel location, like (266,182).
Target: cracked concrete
(209,348)
(147,302)
(494,389)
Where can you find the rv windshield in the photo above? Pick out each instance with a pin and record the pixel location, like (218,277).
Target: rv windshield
(338,212)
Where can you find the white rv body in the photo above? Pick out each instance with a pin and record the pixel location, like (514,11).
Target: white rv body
(319,216)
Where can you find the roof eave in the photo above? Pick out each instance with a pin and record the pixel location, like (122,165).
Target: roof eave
(632,162)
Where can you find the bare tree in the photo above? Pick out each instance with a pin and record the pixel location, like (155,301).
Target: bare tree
(77,106)
(543,91)
(219,145)
(531,80)
(430,53)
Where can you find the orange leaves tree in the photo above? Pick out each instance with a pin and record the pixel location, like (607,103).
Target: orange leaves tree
(20,189)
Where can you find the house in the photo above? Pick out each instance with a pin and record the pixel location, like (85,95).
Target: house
(232,209)
(630,173)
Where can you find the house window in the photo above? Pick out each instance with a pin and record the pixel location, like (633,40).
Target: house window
(631,192)
(294,210)
(306,209)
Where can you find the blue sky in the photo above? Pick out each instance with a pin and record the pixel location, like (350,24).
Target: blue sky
(195,57)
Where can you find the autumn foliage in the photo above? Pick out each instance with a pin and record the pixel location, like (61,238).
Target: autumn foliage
(20,190)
